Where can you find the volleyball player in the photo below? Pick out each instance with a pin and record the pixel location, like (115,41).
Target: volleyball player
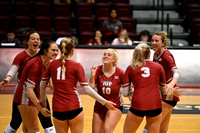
(66,104)
(146,76)
(32,43)
(108,79)
(27,95)
(166,59)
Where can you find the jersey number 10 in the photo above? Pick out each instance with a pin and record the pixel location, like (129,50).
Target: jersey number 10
(106,90)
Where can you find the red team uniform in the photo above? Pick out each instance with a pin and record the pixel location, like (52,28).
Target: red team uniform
(108,87)
(145,79)
(65,94)
(20,61)
(166,59)
(30,78)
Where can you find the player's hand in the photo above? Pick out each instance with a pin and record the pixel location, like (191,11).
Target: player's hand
(177,92)
(45,112)
(169,89)
(110,105)
(93,70)
(4,83)
(50,84)
(43,103)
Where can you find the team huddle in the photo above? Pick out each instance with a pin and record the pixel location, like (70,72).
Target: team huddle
(150,86)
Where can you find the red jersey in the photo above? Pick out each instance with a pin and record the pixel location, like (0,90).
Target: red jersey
(109,87)
(94,42)
(145,79)
(30,78)
(166,59)
(20,61)
(65,94)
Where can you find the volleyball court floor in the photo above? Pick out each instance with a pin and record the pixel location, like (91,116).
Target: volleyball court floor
(185,116)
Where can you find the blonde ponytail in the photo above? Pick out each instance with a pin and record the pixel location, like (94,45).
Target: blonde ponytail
(141,52)
(66,45)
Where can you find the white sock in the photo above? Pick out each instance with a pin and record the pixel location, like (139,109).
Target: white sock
(9,129)
(145,131)
(27,132)
(50,130)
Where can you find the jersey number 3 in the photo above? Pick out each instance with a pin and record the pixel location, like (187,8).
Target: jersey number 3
(146,72)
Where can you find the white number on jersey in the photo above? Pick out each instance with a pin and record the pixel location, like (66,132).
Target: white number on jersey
(146,72)
(106,90)
(60,72)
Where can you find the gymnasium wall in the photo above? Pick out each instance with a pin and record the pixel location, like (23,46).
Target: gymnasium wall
(187,61)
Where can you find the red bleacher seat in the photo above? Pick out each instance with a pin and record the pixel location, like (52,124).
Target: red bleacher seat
(61,9)
(6,8)
(42,8)
(5,23)
(86,24)
(62,23)
(102,9)
(23,8)
(123,9)
(85,37)
(84,9)
(45,35)
(22,22)
(43,23)
(128,23)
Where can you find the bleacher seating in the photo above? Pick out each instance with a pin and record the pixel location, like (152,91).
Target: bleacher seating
(102,10)
(23,8)
(84,10)
(61,9)
(123,9)
(53,20)
(23,22)
(120,1)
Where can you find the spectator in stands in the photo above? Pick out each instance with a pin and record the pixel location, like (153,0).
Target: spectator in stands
(62,1)
(98,39)
(123,39)
(112,26)
(11,38)
(144,36)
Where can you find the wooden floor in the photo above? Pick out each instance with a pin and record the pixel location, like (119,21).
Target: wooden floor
(180,123)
